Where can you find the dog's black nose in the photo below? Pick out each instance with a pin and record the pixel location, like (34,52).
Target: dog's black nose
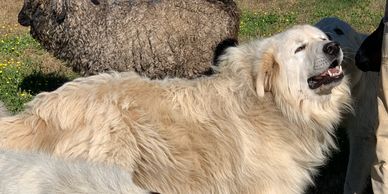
(331,48)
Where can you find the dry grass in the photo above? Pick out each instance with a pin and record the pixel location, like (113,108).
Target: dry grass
(9,10)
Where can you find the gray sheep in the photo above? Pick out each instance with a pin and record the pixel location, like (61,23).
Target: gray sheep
(157,38)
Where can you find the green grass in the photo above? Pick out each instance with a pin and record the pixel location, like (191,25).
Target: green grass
(21,74)
(11,75)
(262,24)
(13,68)
(14,46)
(363,15)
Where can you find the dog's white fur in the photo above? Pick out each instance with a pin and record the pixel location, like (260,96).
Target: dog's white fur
(254,127)
(36,173)
(361,125)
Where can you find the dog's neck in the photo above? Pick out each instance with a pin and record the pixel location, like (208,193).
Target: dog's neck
(322,114)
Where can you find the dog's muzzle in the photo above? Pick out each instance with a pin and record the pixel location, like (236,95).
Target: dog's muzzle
(334,72)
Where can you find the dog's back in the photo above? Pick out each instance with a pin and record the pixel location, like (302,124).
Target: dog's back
(37,173)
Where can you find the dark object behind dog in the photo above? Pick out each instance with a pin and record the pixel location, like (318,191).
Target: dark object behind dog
(368,56)
(157,38)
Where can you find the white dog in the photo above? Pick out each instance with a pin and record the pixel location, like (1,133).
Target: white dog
(361,125)
(35,173)
(262,124)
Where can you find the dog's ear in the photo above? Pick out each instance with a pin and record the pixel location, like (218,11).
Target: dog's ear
(265,72)
(59,9)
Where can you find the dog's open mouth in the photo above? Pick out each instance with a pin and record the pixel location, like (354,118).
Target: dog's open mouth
(333,74)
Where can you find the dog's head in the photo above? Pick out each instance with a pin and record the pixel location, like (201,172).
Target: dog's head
(300,69)
(300,61)
(349,39)
(368,57)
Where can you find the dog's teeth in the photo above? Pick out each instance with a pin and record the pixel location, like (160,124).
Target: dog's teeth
(340,69)
(330,73)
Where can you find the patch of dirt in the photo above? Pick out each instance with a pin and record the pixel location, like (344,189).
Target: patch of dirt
(47,62)
(9,10)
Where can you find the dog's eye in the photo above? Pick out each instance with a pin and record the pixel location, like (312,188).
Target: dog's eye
(301,48)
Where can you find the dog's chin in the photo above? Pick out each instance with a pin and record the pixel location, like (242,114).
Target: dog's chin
(326,88)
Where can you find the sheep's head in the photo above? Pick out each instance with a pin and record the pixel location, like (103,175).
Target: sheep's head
(28,10)
(36,8)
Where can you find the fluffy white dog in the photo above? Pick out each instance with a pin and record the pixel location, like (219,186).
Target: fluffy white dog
(262,124)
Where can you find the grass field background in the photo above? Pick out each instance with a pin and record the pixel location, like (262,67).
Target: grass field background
(26,69)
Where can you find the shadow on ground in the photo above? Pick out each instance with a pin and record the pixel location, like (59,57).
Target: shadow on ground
(40,82)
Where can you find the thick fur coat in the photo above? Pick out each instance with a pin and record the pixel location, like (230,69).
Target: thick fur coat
(254,127)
